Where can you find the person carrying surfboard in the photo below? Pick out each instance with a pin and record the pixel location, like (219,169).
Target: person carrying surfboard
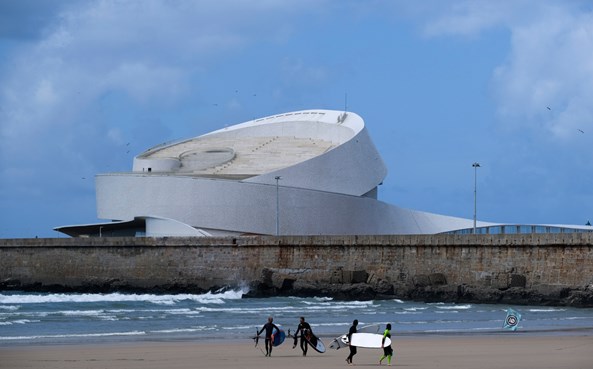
(387,351)
(306,331)
(269,328)
(352,348)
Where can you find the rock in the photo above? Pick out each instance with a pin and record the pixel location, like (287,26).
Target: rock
(384,288)
(437,279)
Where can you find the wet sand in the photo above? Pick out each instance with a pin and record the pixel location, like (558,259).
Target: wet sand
(504,351)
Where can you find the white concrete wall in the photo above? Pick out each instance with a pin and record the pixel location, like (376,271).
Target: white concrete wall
(353,168)
(156,164)
(251,208)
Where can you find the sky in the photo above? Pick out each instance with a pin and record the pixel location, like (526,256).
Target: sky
(86,85)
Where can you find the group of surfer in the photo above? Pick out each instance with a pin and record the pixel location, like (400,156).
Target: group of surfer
(303,328)
(306,335)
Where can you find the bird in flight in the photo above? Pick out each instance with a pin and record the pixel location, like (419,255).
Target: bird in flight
(580,130)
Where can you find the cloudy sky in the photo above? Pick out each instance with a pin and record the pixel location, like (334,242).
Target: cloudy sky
(86,85)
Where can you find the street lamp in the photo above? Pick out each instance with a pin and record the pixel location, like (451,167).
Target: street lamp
(476,165)
(277,178)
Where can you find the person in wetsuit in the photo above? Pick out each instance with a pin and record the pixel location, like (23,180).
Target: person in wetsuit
(387,350)
(305,330)
(352,348)
(269,328)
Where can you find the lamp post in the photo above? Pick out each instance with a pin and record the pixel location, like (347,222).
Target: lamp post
(277,178)
(476,165)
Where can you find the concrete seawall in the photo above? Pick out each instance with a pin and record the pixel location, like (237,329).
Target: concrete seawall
(540,269)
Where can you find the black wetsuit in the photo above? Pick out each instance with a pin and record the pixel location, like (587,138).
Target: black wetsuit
(352,348)
(305,330)
(269,328)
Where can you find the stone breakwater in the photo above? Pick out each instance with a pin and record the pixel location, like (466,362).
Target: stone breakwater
(554,269)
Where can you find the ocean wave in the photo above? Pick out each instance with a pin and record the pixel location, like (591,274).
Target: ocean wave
(339,324)
(79,312)
(240,327)
(316,303)
(207,298)
(447,312)
(416,322)
(19,321)
(415,308)
(355,303)
(90,335)
(547,310)
(455,307)
(278,309)
(337,305)
(177,330)
(574,318)
(251,310)
(325,304)
(9,307)
(314,298)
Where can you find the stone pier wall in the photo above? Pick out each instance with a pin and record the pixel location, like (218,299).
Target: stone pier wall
(540,269)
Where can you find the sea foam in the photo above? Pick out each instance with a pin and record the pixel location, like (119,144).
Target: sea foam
(207,298)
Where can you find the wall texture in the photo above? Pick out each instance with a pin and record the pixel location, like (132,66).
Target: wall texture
(541,269)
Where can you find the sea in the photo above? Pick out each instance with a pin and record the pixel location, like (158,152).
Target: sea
(75,318)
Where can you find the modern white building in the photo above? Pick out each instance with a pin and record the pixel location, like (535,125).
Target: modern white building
(312,172)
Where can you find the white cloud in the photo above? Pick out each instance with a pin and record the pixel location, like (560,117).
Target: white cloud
(467,18)
(547,79)
(93,76)
(550,66)
(145,51)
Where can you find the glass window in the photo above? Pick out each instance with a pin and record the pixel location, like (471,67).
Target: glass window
(495,230)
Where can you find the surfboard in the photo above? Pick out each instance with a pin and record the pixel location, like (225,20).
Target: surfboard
(315,342)
(278,337)
(367,340)
(337,343)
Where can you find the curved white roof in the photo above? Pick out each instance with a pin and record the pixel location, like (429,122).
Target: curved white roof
(294,146)
(254,147)
(223,156)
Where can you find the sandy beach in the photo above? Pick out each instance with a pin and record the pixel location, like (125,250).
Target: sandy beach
(461,352)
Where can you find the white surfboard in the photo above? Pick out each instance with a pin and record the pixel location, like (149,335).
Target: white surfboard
(338,343)
(367,340)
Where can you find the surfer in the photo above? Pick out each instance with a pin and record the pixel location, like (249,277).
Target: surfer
(305,330)
(387,351)
(269,328)
(352,348)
